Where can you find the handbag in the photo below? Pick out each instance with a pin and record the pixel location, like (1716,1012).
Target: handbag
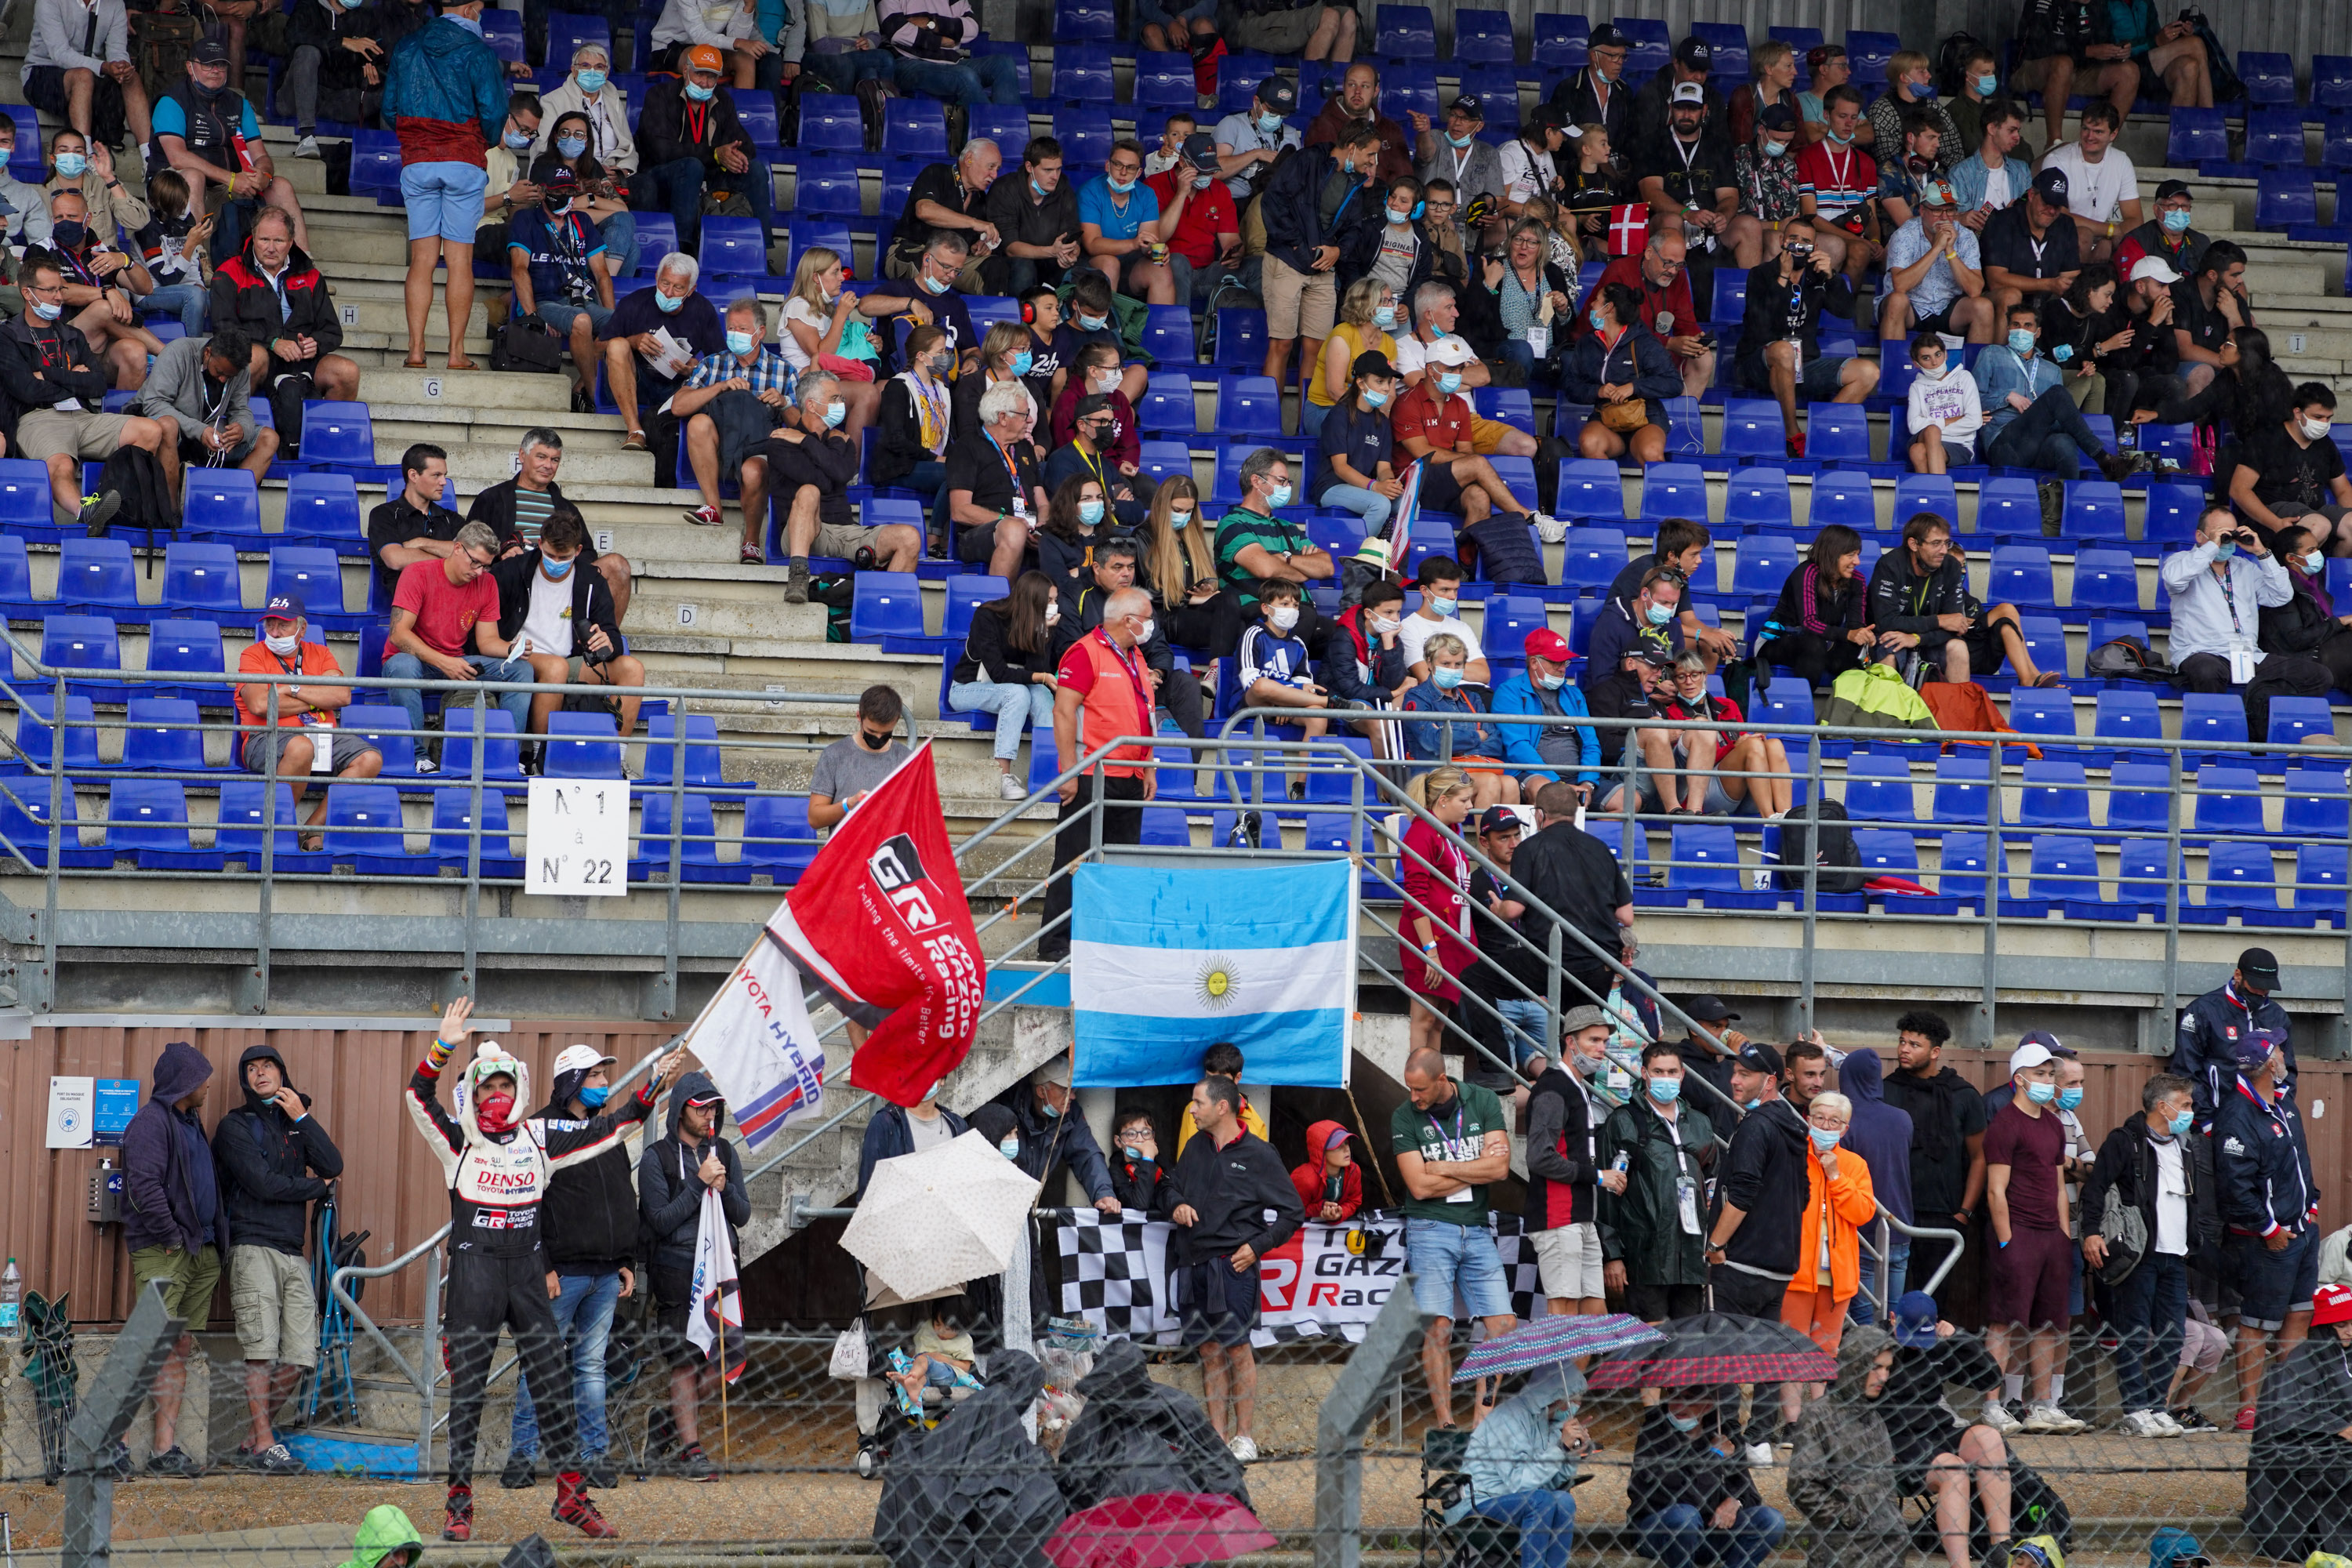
(1624,417)
(526,344)
(849,1355)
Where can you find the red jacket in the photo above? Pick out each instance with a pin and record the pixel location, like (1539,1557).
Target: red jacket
(241,294)
(1309,1178)
(1674,298)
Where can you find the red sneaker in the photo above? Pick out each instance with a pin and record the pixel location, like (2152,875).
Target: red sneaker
(1797,444)
(574,1508)
(2246,1419)
(459,1523)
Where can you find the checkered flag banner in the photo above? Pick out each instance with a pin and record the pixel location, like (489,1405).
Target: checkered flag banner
(1327,1278)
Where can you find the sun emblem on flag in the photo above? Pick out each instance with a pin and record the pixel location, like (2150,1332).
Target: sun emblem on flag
(1215,983)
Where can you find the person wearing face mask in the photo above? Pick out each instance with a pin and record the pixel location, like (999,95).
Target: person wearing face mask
(1353,473)
(1255,544)
(1599,94)
(1250,141)
(731,403)
(590,1242)
(199,385)
(1363,663)
(1197,219)
(1458,735)
(2168,234)
(1006,668)
(589,92)
(2147,1162)
(602,197)
(1054,1137)
(1649,620)
(673,1175)
(2030,420)
(563,274)
(2270,1210)
(1522,1459)
(77,164)
(918,416)
(1542,755)
(336,54)
(848,770)
(1624,374)
(1436,426)
(506,186)
(1911,90)
(1765,170)
(1274,671)
(2031,1267)
(1102,703)
(305,722)
(1114,570)
(1317,205)
(2308,622)
(555,608)
(1458,153)
(1401,257)
(2217,589)
(1689,1494)
(1753,1240)
(1103,447)
(1568,1171)
(1077,521)
(1367,313)
(1840,1199)
(2298,1495)
(810,470)
(1653,1228)
(2292,469)
(1358,99)
(693,145)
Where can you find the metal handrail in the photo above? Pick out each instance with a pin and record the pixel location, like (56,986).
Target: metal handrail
(421,1377)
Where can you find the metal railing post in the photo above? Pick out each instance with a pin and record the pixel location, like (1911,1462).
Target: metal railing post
(1996,856)
(677,849)
(1813,794)
(2172,894)
(266,903)
(428,1360)
(59,794)
(474,804)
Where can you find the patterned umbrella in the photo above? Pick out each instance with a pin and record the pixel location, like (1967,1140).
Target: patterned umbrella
(1716,1348)
(1158,1530)
(1555,1338)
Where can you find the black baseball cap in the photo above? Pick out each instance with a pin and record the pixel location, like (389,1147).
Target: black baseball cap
(1468,104)
(1758,1057)
(1654,655)
(1607,37)
(209,52)
(1708,1010)
(2258,967)
(1092,404)
(1371,362)
(2051,185)
(1695,53)
(1501,819)
(1777,117)
(2171,188)
(1278,93)
(1201,150)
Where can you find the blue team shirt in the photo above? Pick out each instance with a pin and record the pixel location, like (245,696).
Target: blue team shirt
(1095,207)
(172,119)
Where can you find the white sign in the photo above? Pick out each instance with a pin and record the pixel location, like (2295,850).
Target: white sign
(577,840)
(72,1107)
(432,389)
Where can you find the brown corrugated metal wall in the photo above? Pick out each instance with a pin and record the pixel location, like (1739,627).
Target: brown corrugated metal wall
(390,1182)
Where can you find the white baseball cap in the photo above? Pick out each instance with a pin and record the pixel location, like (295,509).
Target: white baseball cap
(580,1058)
(1450,350)
(2154,267)
(2032,1053)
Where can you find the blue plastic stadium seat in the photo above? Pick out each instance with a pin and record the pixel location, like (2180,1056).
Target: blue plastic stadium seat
(1706,860)
(2045,715)
(224,504)
(364,819)
(1757,497)
(159,735)
(1164,81)
(2294,718)
(703,765)
(98,574)
(1653,46)
(2319,880)
(830,122)
(2331,82)
(1672,490)
(1841,498)
(82,642)
(1961,789)
(1405,32)
(885,604)
(1558,43)
(1591,487)
(734,247)
(2285,198)
(2268,77)
(582,746)
(2215,718)
(2275,136)
(337,434)
(1168,336)
(1916,493)
(698,849)
(777,838)
(2093,509)
(1483,38)
(1961,862)
(1878,789)
(315,573)
(2060,867)
(1249,408)
(1083,19)
(321,506)
(1240,339)
(1761,564)
(2241,880)
(375,163)
(2193,136)
(150,817)
(1085,132)
(2226,799)
(1509,405)
(1752,429)
(1837,432)
(501,751)
(828,184)
(2313,804)
(240,818)
(1868,54)
(1592,557)
(2020,574)
(453,819)
(191,648)
(1730,42)
(916,129)
(2056,794)
(2128,718)
(1082,73)
(37,739)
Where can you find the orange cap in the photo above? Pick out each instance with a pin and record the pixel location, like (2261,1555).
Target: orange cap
(703,57)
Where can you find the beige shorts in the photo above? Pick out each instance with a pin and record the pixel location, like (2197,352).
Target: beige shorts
(45,432)
(276,1315)
(1568,1258)
(845,540)
(1298,304)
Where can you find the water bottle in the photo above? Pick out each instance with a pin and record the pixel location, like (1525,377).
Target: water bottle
(12,1300)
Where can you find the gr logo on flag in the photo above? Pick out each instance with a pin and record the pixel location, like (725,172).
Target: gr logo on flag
(898,872)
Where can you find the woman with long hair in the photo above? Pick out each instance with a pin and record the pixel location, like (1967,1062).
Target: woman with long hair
(1435,943)
(1004,358)
(918,417)
(1075,517)
(2308,622)
(826,326)
(600,201)
(1530,291)
(1369,312)
(1180,568)
(2081,327)
(1821,624)
(1622,370)
(1007,668)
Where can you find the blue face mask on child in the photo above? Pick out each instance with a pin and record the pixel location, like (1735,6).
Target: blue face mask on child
(1010,1147)
(1373,397)
(71,164)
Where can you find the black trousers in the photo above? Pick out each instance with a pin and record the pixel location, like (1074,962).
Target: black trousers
(1180,693)
(2279,675)
(486,1294)
(1817,661)
(1214,624)
(1075,836)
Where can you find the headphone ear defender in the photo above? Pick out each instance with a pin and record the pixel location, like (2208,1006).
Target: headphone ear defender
(1028,314)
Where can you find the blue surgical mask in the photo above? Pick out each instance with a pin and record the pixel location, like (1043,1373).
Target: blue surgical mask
(1371,397)
(835,413)
(2068,1099)
(740,344)
(1269,124)
(1278,498)
(2313,563)
(1666,1092)
(71,164)
(1659,614)
(1118,187)
(591,81)
(2221,551)
(699,93)
(2062,352)
(1090,512)
(1441,608)
(1924,93)
(1600,321)
(668,304)
(1449,381)
(1776,149)
(1023,360)
(1987,85)
(571,146)
(1010,1146)
(935,286)
(1447,678)
(1682,1422)
(1551,682)
(2182,1122)
(47,310)
(1038,190)
(557,570)
(2020,340)
(594,1098)
(1385,317)
(1454,141)
(1847,141)
(1753,1103)
(2176,220)
(2042,1093)
(1824,1138)
(1051,1112)
(1093,323)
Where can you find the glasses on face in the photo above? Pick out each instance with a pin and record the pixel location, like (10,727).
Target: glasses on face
(1666,264)
(1125,171)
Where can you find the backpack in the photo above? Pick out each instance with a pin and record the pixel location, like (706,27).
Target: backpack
(526,344)
(2126,658)
(1839,861)
(134,474)
(2126,1230)
(1953,54)
(1876,697)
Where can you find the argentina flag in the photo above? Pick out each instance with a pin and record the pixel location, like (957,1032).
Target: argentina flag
(1165,963)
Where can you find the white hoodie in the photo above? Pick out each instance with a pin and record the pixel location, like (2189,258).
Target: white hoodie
(1950,402)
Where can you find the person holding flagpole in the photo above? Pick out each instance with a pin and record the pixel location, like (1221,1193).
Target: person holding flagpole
(672,1177)
(1101,696)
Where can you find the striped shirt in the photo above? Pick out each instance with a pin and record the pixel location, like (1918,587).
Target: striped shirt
(1836,178)
(768,372)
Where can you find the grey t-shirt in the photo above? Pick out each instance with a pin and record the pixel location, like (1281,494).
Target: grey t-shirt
(929,1134)
(847,768)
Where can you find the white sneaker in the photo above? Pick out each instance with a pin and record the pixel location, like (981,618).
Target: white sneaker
(1010,789)
(1997,1416)
(1244,1448)
(1550,529)
(2172,1428)
(306,148)
(1760,1455)
(2047,1417)
(2146,1423)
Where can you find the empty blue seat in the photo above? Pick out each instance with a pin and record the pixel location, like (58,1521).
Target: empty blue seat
(1082,72)
(501,750)
(1556,45)
(1674,490)
(38,740)
(1728,40)
(2128,718)
(1085,132)
(1651,46)
(702,758)
(150,817)
(1249,408)
(2056,794)
(337,434)
(381,725)
(1591,487)
(697,839)
(1163,458)
(2139,797)
(756,111)
(2093,509)
(2313,804)
(2215,718)
(2275,136)
(98,574)
(1164,81)
(363,819)
(1406,31)
(2043,714)
(452,846)
(1761,564)
(1752,428)
(1843,498)
(1837,432)
(322,506)
(191,648)
(2285,199)
(916,129)
(1868,53)
(1706,860)
(1961,791)
(1007,126)
(2319,882)
(830,122)
(1512,406)
(2059,868)
(202,579)
(2242,881)
(1961,861)
(2107,578)
(225,505)
(2009,508)
(885,604)
(777,838)
(1483,38)
(2268,77)
(2331,82)
(1592,557)
(2194,136)
(734,247)
(2020,575)
(159,735)
(582,746)
(2294,718)
(1240,339)
(82,642)
(375,163)
(2226,800)
(1878,789)
(829,183)
(1757,497)
(1916,493)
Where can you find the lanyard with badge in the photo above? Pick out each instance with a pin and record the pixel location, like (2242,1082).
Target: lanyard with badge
(1452,1145)
(2242,653)
(1686,1186)
(322,751)
(1020,507)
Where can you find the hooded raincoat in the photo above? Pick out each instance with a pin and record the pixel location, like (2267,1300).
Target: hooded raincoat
(2299,1469)
(1880,1132)
(1842,1470)
(272,1168)
(166,1173)
(384,1530)
(1138,1435)
(975,1491)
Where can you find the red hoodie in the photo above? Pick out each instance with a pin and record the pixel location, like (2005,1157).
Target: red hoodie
(1309,1178)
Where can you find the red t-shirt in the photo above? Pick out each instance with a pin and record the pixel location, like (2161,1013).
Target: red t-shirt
(1674,298)
(309,659)
(1443,421)
(1836,178)
(1208,214)
(446,614)
(2031,1146)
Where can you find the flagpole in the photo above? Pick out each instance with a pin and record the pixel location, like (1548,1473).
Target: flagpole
(726,1433)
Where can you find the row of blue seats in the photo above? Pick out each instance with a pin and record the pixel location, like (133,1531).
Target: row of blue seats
(2223,796)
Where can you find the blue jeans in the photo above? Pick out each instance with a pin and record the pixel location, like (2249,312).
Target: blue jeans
(1529,1028)
(619,234)
(841,71)
(1517,352)
(1443,1255)
(185,300)
(979,81)
(678,188)
(584,1313)
(1547,1521)
(2051,436)
(1010,703)
(1311,416)
(1370,505)
(2150,1307)
(1899,1267)
(408,667)
(1679,1537)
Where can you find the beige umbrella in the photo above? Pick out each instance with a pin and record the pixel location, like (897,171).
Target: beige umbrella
(928,1222)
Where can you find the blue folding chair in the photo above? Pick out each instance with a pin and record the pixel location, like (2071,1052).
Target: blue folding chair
(830,122)
(337,434)
(1483,38)
(1757,497)
(96,575)
(1164,81)
(915,130)
(1592,557)
(2269,79)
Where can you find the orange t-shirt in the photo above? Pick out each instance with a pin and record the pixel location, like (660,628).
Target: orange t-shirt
(312,658)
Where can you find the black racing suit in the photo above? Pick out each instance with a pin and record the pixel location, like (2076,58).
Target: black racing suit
(498,1272)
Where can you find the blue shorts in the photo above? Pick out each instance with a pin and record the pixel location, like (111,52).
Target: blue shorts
(1215,1303)
(444,200)
(558,317)
(1444,1258)
(1158,14)
(2270,1284)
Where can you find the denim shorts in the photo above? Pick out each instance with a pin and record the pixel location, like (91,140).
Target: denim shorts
(1444,1258)
(444,200)
(560,316)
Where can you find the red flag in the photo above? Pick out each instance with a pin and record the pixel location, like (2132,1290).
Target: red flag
(878,923)
(1629,228)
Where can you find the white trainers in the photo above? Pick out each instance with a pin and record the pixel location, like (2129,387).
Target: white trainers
(1760,1455)
(306,148)
(1997,1416)
(2047,1417)
(1010,789)
(2148,1423)
(1550,529)
(1244,1448)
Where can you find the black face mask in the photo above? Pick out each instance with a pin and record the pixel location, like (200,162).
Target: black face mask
(70,234)
(865,739)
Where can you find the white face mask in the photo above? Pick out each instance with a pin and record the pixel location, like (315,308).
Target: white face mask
(1143,633)
(1384,625)
(1284,617)
(2317,429)
(1052,614)
(283,646)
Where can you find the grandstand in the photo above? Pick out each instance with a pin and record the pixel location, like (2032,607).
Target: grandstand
(2262,835)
